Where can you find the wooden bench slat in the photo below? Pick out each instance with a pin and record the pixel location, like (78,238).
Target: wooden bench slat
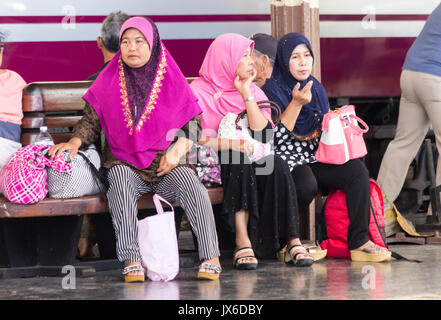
(33,122)
(62,122)
(55,96)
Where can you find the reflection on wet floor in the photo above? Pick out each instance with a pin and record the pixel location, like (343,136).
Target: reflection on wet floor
(273,280)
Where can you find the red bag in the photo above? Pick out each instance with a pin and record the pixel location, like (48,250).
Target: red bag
(337,222)
(342,138)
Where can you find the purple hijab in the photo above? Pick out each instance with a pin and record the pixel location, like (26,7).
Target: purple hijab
(139,108)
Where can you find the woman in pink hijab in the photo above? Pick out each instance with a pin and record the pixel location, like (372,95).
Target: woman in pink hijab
(260,203)
(137,101)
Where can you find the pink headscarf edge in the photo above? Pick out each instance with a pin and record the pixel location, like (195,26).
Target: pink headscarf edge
(138,23)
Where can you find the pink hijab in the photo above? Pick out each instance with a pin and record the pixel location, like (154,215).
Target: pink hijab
(167,100)
(215,87)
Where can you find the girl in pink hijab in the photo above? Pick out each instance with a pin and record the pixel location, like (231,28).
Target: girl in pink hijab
(260,203)
(137,101)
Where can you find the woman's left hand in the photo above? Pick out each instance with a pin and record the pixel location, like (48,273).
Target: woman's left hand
(244,85)
(168,162)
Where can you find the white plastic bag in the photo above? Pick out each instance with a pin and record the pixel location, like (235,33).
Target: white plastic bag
(158,243)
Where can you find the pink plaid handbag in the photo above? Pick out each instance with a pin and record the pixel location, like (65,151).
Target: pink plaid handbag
(23,178)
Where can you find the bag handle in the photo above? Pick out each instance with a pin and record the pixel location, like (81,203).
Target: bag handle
(263,104)
(157,201)
(358,129)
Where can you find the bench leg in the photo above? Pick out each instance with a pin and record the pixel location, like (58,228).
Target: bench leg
(47,241)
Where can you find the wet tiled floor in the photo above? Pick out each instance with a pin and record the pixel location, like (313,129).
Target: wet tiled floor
(273,280)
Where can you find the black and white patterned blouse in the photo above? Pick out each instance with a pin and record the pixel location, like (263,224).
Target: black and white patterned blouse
(293,151)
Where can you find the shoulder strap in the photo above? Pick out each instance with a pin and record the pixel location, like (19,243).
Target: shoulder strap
(94,170)
(400,257)
(394,254)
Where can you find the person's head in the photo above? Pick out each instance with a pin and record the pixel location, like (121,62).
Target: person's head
(264,55)
(136,38)
(229,55)
(108,42)
(294,56)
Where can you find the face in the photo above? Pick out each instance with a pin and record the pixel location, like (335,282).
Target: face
(259,65)
(135,50)
(300,62)
(245,68)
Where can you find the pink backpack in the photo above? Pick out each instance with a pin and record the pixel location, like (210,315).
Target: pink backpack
(23,178)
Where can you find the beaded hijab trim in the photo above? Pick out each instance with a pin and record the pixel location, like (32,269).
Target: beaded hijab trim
(152,99)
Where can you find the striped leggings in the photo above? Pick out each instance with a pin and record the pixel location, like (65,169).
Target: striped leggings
(181,185)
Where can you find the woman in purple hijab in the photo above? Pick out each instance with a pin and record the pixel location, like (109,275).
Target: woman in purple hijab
(139,101)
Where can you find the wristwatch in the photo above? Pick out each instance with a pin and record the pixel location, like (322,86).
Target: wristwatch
(248,98)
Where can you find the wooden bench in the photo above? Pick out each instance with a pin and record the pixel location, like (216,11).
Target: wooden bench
(46,236)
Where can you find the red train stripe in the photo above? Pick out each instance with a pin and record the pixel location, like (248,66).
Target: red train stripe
(211,18)
(155,18)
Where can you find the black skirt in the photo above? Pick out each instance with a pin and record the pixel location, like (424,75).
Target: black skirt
(266,190)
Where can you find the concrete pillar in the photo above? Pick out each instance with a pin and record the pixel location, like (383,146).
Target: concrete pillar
(300,16)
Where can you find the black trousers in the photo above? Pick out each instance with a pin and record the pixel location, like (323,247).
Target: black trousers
(351,177)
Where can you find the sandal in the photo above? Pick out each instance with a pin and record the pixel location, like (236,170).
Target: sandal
(371,253)
(316,252)
(293,253)
(245,265)
(137,278)
(209,275)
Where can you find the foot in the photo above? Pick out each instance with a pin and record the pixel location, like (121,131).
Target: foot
(214,261)
(372,248)
(85,248)
(210,269)
(300,256)
(134,273)
(244,258)
(370,252)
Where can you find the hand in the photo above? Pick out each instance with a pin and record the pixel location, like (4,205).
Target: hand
(61,147)
(243,86)
(304,96)
(168,162)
